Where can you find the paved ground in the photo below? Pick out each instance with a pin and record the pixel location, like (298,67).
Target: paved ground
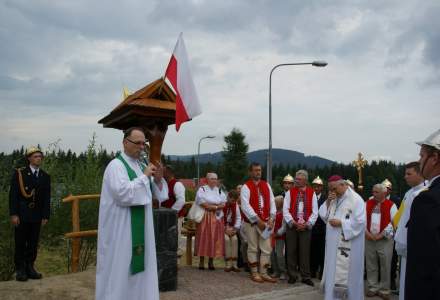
(192,284)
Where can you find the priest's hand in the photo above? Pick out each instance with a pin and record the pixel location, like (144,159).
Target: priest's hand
(155,203)
(330,198)
(150,170)
(335,222)
(15,220)
(44,221)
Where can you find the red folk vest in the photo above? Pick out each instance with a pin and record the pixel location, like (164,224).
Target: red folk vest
(254,199)
(230,207)
(385,214)
(278,223)
(172,198)
(308,203)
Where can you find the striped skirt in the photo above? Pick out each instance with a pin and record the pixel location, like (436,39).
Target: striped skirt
(210,236)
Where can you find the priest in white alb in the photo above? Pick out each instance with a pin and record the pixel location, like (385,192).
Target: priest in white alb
(126,260)
(344,215)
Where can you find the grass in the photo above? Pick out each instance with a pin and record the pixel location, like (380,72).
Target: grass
(51,260)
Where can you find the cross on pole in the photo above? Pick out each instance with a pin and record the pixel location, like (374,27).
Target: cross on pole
(360,163)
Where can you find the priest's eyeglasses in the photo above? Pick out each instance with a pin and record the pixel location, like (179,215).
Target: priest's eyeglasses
(139,143)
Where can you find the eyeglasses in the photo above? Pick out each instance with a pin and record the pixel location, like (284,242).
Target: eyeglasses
(140,143)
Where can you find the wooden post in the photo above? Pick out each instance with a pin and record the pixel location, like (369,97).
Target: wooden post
(155,136)
(76,242)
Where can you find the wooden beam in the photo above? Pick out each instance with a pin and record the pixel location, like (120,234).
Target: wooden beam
(80,234)
(71,198)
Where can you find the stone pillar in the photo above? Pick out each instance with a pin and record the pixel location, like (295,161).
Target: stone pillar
(165,232)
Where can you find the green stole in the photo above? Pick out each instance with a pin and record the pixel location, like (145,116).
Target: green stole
(137,228)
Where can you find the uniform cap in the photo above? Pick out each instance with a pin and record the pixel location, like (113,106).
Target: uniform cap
(350,183)
(387,184)
(288,178)
(31,150)
(318,181)
(433,140)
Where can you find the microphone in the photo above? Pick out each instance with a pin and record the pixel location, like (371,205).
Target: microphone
(144,157)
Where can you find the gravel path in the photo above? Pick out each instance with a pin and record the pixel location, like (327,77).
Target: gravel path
(192,284)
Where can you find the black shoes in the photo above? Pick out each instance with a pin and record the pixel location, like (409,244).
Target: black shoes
(308,281)
(21,274)
(32,273)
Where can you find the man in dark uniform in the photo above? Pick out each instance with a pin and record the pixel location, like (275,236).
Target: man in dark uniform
(397,201)
(423,255)
(318,233)
(29,208)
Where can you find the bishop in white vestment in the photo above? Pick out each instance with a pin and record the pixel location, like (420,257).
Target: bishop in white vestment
(345,242)
(114,277)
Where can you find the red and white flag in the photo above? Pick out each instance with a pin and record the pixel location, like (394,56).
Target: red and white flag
(179,75)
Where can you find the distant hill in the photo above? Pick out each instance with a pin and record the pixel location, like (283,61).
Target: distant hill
(279,156)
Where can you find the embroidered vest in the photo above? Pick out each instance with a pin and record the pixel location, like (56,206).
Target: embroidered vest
(308,204)
(385,215)
(254,199)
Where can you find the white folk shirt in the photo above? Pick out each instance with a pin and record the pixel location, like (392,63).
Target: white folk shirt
(212,196)
(179,192)
(113,278)
(288,218)
(354,230)
(247,209)
(160,191)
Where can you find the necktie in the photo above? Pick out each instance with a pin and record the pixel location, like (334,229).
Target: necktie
(36,174)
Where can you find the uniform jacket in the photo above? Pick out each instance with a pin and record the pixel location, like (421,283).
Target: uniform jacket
(320,227)
(423,260)
(36,207)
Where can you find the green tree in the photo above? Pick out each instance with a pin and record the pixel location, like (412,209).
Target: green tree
(234,158)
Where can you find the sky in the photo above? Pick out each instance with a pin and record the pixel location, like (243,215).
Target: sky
(63,65)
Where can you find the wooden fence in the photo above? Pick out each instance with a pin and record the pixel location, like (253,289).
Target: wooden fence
(76,233)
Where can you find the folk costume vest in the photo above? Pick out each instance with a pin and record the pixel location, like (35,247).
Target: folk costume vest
(307,196)
(172,198)
(262,188)
(230,208)
(385,215)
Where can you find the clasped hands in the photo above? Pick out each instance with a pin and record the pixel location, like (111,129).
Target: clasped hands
(262,225)
(374,237)
(230,231)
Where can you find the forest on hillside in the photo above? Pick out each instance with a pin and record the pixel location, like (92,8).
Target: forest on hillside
(81,173)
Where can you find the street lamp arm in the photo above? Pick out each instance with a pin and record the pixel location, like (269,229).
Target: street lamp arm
(198,155)
(316,63)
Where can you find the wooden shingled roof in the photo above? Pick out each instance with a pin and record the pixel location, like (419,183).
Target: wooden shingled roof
(154,102)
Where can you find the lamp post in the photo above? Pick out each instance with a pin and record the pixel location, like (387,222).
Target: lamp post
(269,153)
(198,156)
